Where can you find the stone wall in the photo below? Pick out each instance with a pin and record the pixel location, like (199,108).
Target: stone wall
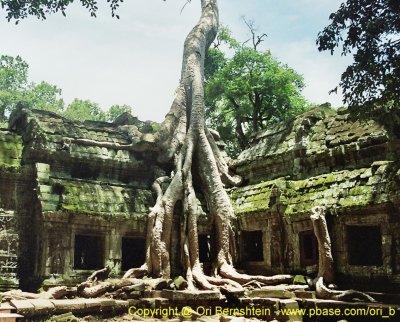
(323,158)
(10,172)
(68,184)
(8,250)
(317,142)
(76,197)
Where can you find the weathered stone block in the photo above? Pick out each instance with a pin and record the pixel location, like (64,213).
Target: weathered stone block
(42,306)
(92,305)
(305,294)
(9,317)
(107,304)
(23,307)
(272,293)
(153,293)
(191,295)
(6,308)
(121,305)
(293,306)
(69,305)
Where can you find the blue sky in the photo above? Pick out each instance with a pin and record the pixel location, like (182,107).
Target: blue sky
(136,60)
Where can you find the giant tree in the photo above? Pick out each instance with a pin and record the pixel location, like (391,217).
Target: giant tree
(186,142)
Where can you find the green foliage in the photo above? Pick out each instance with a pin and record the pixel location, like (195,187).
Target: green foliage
(214,61)
(17,10)
(13,72)
(247,92)
(116,110)
(369,29)
(14,87)
(13,83)
(81,110)
(224,36)
(44,96)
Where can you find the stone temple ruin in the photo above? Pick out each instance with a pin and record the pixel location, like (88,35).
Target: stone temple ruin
(70,203)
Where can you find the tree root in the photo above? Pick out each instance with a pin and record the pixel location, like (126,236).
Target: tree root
(325,262)
(229,272)
(56,292)
(348,295)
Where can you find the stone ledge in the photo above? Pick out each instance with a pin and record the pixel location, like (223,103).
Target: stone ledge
(9,317)
(191,295)
(42,306)
(24,307)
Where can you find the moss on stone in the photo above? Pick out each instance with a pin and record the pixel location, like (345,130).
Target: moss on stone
(94,197)
(7,284)
(336,190)
(10,150)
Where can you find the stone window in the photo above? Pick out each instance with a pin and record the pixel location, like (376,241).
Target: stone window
(308,248)
(89,252)
(252,246)
(364,245)
(206,248)
(133,252)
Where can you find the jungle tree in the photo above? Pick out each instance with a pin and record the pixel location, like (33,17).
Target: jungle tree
(368,29)
(184,140)
(15,87)
(248,92)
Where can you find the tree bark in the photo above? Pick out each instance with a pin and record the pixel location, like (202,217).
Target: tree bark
(326,271)
(325,259)
(184,137)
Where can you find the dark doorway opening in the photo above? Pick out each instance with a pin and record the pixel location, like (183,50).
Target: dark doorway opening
(206,248)
(89,252)
(133,252)
(84,171)
(252,246)
(364,245)
(308,248)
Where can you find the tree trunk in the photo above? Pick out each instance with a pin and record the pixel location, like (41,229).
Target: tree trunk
(325,259)
(183,137)
(326,271)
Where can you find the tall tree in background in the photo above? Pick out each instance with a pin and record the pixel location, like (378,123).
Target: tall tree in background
(13,80)
(14,87)
(45,96)
(116,110)
(370,30)
(248,91)
(84,110)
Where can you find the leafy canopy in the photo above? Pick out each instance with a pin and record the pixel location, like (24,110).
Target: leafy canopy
(248,91)
(116,110)
(15,87)
(21,9)
(84,110)
(368,29)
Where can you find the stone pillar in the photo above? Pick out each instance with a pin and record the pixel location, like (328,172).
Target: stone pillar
(8,250)
(113,251)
